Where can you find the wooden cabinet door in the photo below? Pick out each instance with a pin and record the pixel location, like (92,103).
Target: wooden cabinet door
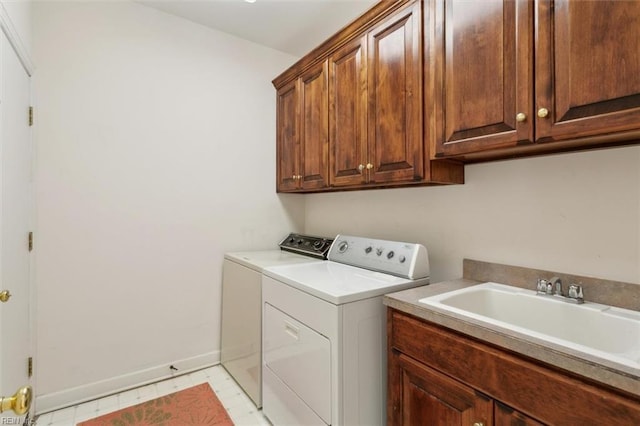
(395,145)
(421,396)
(314,128)
(483,75)
(587,68)
(506,416)
(288,143)
(348,114)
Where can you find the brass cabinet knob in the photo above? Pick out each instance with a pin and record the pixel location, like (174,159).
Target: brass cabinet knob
(478,424)
(4,296)
(520,117)
(19,403)
(543,112)
(369,166)
(361,168)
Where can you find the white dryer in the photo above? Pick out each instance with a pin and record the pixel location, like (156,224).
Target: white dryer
(240,340)
(324,332)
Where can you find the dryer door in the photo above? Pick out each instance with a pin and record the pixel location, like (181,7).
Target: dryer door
(300,357)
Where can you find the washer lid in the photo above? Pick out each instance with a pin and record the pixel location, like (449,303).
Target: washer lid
(258,260)
(338,283)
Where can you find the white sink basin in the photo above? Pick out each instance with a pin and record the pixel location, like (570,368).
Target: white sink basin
(605,332)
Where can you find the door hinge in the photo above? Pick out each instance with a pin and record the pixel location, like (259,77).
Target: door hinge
(30,241)
(30,366)
(30,116)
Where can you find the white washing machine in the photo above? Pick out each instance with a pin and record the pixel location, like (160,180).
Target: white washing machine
(240,340)
(324,332)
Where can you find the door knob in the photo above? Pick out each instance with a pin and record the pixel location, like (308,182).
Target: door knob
(369,166)
(543,112)
(520,117)
(4,296)
(360,168)
(19,403)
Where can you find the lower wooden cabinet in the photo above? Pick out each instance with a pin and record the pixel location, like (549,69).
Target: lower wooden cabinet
(438,377)
(504,415)
(431,398)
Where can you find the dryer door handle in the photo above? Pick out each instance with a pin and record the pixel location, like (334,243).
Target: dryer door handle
(291,330)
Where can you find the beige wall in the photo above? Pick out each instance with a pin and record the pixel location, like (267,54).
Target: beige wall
(577,213)
(155,145)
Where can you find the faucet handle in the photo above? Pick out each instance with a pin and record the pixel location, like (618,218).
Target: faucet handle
(576,293)
(541,287)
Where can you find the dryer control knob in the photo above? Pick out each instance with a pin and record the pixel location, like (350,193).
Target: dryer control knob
(368,249)
(343,246)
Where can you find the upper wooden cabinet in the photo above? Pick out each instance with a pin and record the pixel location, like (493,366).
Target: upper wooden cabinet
(302,132)
(359,109)
(348,114)
(587,68)
(288,143)
(489,99)
(481,73)
(395,145)
(375,84)
(314,128)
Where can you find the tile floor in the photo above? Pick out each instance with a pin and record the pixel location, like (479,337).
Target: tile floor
(240,408)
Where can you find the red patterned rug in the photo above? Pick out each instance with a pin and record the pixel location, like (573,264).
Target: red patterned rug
(194,406)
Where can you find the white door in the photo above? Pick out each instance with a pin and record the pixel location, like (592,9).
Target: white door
(15,219)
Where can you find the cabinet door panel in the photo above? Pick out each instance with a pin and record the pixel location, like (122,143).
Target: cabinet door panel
(483,74)
(314,128)
(587,68)
(288,144)
(431,398)
(395,87)
(348,114)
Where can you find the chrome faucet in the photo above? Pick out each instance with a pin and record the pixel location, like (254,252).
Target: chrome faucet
(556,284)
(553,287)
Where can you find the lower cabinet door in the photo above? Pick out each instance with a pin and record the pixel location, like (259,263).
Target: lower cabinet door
(422,396)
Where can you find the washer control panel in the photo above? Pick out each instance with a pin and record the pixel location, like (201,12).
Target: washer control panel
(407,260)
(306,245)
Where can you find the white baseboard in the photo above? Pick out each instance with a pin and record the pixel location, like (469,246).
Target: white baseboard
(69,397)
